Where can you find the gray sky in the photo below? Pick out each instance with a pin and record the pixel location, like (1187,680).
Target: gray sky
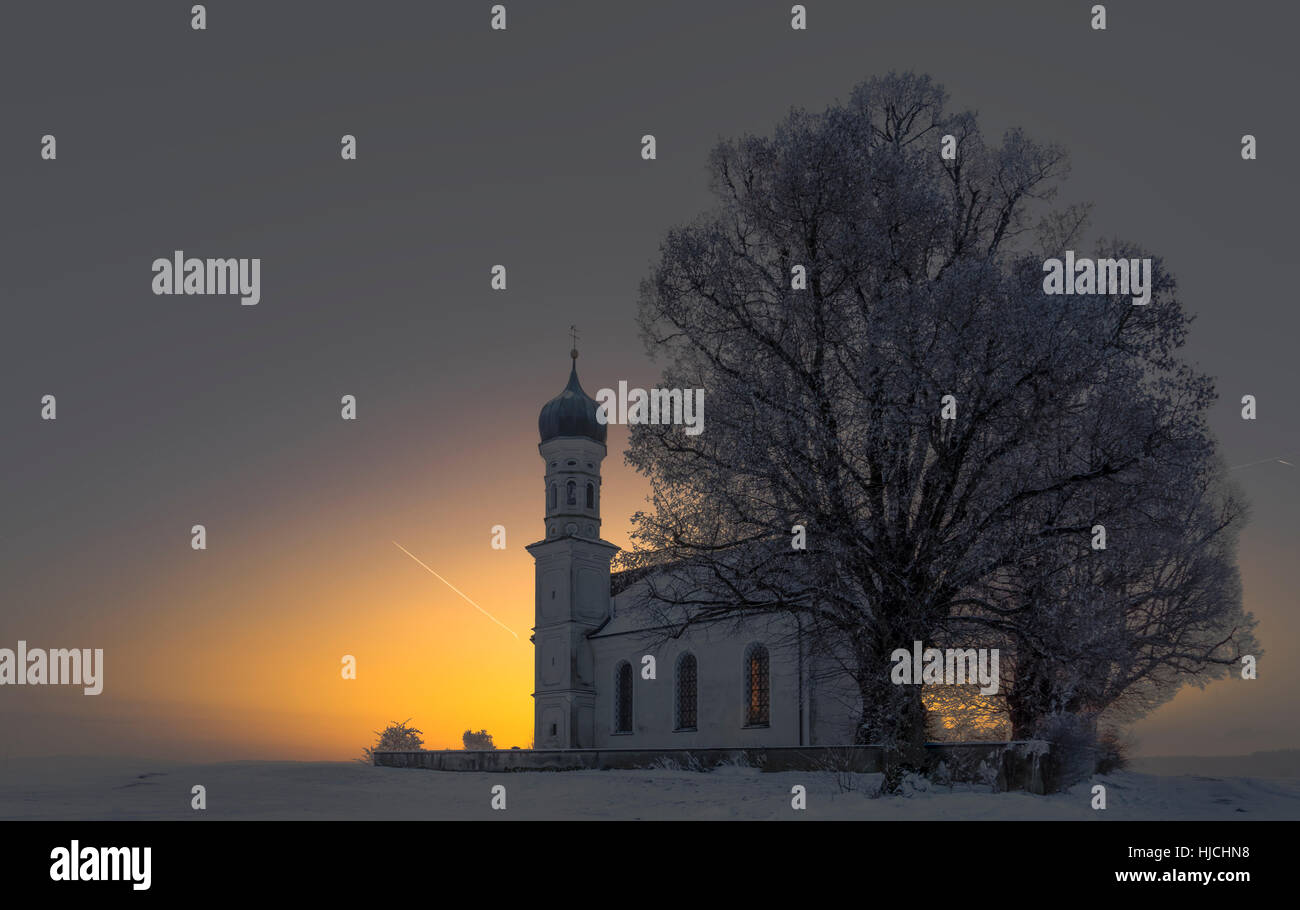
(522,148)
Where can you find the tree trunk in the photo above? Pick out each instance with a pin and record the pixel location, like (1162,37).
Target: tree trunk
(1030,700)
(892,716)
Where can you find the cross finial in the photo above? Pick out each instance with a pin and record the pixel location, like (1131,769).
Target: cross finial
(573,334)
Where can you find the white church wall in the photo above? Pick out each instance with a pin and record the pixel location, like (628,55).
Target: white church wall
(836,703)
(720,652)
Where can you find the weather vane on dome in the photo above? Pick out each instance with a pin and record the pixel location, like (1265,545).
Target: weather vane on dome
(573,333)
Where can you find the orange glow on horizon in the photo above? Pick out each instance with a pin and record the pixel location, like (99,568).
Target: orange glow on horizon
(236,652)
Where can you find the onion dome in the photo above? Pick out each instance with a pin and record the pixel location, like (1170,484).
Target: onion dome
(571,413)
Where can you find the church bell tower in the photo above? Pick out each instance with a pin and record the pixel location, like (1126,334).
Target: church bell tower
(572,570)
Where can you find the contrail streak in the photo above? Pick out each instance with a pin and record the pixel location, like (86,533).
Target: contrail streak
(1277,458)
(457,590)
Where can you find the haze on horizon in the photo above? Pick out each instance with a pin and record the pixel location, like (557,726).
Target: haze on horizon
(375,282)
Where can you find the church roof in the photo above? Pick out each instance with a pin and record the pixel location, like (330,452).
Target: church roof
(633,590)
(622,580)
(571,413)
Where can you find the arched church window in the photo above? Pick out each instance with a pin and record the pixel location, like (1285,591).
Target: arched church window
(554,495)
(686,692)
(623,698)
(571,493)
(756,686)
(591,496)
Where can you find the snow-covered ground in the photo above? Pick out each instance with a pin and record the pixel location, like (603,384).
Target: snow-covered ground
(118,788)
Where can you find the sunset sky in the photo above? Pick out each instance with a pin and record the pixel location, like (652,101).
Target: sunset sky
(475,149)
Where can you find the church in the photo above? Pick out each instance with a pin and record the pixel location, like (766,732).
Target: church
(735,685)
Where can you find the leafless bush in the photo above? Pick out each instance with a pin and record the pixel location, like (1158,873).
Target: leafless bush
(396,737)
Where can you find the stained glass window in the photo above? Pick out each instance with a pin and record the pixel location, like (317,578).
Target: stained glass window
(686,692)
(623,698)
(756,686)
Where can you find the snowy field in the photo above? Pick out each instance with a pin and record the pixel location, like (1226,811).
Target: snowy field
(118,788)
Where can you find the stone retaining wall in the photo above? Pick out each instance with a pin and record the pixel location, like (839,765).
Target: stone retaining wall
(1006,765)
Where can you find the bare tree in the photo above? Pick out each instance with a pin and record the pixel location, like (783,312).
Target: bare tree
(826,402)
(1112,633)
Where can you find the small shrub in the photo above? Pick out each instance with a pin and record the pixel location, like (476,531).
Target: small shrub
(893,778)
(1112,752)
(1073,755)
(942,775)
(842,763)
(396,737)
(478,742)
